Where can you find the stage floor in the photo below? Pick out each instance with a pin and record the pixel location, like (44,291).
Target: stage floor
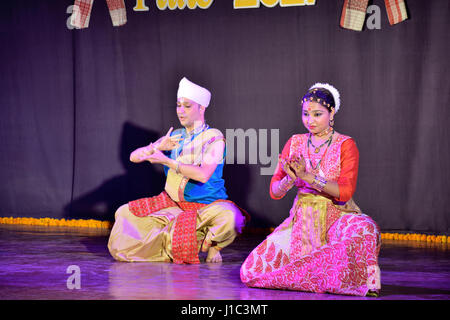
(34,262)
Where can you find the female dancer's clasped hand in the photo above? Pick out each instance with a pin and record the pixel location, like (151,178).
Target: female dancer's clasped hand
(295,167)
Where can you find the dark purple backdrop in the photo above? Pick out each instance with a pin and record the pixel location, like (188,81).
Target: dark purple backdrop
(74,103)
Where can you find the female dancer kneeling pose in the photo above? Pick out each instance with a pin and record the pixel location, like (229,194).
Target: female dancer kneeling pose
(326,244)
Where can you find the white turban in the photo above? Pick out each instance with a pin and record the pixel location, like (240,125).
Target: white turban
(194,92)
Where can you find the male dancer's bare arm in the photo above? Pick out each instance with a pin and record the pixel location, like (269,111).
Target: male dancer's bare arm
(166,142)
(201,173)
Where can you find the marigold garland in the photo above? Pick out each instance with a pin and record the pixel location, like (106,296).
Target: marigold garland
(384,235)
(91,223)
(416,237)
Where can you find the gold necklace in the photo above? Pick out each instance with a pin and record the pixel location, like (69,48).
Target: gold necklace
(317,149)
(324,132)
(309,156)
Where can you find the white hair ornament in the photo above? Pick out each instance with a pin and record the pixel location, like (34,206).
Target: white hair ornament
(333,91)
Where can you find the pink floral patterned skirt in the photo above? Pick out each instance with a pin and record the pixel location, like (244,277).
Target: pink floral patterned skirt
(307,252)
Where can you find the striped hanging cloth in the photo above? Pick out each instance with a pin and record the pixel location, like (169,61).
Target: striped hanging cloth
(396,11)
(82,13)
(354,13)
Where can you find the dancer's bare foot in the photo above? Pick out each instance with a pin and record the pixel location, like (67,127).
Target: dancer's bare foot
(205,246)
(214,255)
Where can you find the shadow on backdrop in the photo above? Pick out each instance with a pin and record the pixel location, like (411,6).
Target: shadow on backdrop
(238,180)
(144,180)
(139,181)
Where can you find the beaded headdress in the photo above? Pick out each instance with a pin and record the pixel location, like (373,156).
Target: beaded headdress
(325,94)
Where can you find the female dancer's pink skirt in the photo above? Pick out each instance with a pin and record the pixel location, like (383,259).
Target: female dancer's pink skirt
(347,263)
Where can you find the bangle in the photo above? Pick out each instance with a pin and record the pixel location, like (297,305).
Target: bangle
(285,184)
(177,168)
(319,183)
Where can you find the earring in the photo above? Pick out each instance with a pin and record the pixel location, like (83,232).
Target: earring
(331,122)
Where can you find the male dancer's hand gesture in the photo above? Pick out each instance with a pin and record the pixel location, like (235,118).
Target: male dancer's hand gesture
(165,143)
(168,142)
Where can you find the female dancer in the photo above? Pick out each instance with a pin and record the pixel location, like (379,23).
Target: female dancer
(326,244)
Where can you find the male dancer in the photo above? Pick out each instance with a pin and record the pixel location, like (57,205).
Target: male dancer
(192,212)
